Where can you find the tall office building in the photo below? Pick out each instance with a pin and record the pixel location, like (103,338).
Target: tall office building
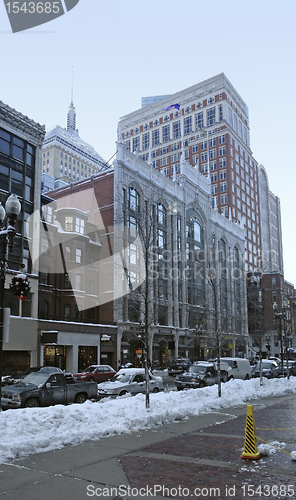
(271,228)
(209,124)
(66,157)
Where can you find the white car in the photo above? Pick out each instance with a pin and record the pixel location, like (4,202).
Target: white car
(129,381)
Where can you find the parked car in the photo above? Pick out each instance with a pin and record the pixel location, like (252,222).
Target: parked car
(270,369)
(179,366)
(9,380)
(292,368)
(237,368)
(46,389)
(98,373)
(130,380)
(200,374)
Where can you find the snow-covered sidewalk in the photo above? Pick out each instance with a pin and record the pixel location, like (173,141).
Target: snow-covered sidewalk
(33,430)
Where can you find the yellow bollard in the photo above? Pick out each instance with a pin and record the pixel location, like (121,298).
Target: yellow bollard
(250,449)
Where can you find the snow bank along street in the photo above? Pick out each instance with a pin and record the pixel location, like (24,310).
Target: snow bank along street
(32,430)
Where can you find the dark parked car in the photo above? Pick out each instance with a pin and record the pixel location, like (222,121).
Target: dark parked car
(179,366)
(200,375)
(270,369)
(98,373)
(10,380)
(44,389)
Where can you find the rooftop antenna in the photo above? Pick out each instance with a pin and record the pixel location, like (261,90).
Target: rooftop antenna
(72,89)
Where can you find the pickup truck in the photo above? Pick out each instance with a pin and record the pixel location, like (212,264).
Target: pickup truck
(45,389)
(200,374)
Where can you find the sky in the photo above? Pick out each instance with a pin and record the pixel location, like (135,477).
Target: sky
(80,423)
(121,51)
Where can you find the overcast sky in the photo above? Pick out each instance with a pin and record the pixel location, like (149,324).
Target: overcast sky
(123,50)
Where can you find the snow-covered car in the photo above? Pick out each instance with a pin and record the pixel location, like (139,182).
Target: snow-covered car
(129,381)
(200,375)
(98,373)
(270,369)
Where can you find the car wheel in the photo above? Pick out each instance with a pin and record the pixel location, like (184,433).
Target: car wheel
(32,403)
(179,388)
(91,379)
(247,377)
(80,398)
(122,393)
(155,389)
(202,384)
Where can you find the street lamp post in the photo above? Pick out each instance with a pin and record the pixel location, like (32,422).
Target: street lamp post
(7,233)
(281,319)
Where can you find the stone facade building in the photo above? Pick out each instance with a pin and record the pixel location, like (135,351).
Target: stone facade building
(193,259)
(20,173)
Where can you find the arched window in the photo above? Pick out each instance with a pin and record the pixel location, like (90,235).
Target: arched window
(195,259)
(237,289)
(223,274)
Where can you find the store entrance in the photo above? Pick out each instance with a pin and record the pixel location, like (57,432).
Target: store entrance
(55,355)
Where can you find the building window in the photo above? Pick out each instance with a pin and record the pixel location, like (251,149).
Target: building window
(67,312)
(68,254)
(145,141)
(187,125)
(223,199)
(136,143)
(230,117)
(222,150)
(166,133)
(78,255)
(199,120)
(176,130)
(134,200)
(211,115)
(78,281)
(223,187)
(155,137)
(69,223)
(79,227)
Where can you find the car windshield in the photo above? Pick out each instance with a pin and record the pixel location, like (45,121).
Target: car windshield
(198,369)
(90,369)
(36,378)
(266,365)
(227,362)
(120,377)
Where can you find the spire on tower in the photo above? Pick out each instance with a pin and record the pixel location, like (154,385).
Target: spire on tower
(71,116)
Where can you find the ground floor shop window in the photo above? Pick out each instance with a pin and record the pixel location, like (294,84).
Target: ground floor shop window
(87,355)
(55,355)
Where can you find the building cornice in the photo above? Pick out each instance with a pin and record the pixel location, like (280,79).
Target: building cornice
(18,121)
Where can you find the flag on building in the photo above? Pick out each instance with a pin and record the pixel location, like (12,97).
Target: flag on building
(177,106)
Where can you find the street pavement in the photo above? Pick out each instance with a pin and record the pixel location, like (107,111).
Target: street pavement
(199,457)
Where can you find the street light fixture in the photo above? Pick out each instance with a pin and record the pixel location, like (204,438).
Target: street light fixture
(7,233)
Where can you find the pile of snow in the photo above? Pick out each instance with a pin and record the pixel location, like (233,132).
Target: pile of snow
(33,430)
